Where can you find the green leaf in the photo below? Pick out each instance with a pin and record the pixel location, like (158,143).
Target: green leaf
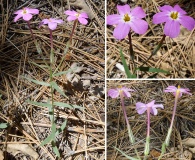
(55,149)
(47,140)
(63,72)
(131,158)
(61,128)
(66,105)
(149,69)
(38,82)
(51,137)
(67,47)
(54,85)
(39,103)
(129,75)
(3,125)
(41,66)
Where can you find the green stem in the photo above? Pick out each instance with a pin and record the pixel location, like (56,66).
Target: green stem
(155,50)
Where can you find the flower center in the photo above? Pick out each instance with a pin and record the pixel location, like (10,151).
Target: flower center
(174,15)
(126,18)
(24,11)
(77,15)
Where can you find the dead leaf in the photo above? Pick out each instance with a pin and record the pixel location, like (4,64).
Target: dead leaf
(22,148)
(189,142)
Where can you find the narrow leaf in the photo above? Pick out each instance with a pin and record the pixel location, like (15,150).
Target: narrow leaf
(149,69)
(39,103)
(131,158)
(38,82)
(56,151)
(129,75)
(3,125)
(54,85)
(47,140)
(61,128)
(66,105)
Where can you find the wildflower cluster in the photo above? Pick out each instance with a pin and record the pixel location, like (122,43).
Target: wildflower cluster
(151,108)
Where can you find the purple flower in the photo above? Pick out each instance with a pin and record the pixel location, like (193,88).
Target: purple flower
(114,93)
(174,89)
(25,13)
(173,17)
(52,23)
(73,15)
(141,107)
(127,20)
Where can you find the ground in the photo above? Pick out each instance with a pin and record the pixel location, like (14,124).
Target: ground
(30,124)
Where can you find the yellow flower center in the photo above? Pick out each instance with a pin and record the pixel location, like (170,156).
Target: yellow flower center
(174,15)
(24,11)
(178,90)
(77,15)
(126,18)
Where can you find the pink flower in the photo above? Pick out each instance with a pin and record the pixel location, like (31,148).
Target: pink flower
(114,93)
(25,13)
(73,15)
(141,107)
(173,17)
(127,20)
(174,89)
(52,23)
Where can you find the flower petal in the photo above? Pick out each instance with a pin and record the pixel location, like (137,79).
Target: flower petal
(187,21)
(27,17)
(113,93)
(114,19)
(178,9)
(140,107)
(32,11)
(121,31)
(18,12)
(153,110)
(139,26)
(71,18)
(166,8)
(160,17)
(52,25)
(45,21)
(126,93)
(138,12)
(57,20)
(70,13)
(18,17)
(82,20)
(83,15)
(123,9)
(172,28)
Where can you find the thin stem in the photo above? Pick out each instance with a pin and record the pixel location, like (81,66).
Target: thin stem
(131,137)
(147,144)
(51,75)
(167,140)
(73,29)
(28,23)
(131,51)
(155,50)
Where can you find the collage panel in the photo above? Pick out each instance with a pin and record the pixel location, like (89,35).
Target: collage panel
(150,39)
(150,119)
(52,62)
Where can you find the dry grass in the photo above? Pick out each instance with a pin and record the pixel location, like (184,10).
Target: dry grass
(84,133)
(176,55)
(146,91)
